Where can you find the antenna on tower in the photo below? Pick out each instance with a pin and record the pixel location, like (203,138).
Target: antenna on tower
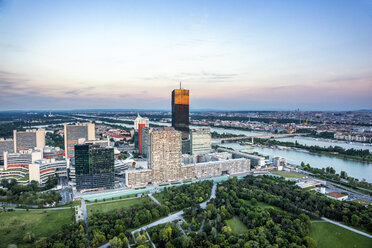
(180,86)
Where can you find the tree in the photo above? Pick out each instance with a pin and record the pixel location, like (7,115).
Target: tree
(116,242)
(309,242)
(226,229)
(141,239)
(355,220)
(98,239)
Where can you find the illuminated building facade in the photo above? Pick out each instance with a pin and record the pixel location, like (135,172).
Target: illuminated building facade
(180,111)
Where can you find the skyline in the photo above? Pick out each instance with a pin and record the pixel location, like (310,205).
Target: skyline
(276,55)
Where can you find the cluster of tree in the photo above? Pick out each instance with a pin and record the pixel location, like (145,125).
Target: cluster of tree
(330,174)
(169,235)
(177,198)
(313,133)
(286,195)
(194,217)
(54,140)
(216,135)
(105,226)
(267,227)
(72,235)
(30,194)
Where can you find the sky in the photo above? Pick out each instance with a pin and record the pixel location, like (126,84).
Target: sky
(231,55)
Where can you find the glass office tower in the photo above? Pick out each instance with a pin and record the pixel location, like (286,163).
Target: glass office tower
(94,167)
(180,111)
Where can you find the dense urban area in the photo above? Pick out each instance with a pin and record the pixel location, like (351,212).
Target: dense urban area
(118,178)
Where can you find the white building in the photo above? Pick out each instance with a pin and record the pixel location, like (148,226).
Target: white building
(279,162)
(40,170)
(140,120)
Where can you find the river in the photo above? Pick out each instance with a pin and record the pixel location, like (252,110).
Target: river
(353,168)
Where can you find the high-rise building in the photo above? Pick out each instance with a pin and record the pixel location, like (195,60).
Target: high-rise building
(140,129)
(140,120)
(29,139)
(145,139)
(139,123)
(180,111)
(94,167)
(74,133)
(200,141)
(5,146)
(165,154)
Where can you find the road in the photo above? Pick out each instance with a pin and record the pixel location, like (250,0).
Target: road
(85,215)
(154,199)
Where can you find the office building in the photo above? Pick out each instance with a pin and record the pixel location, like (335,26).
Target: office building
(29,139)
(145,139)
(21,159)
(53,153)
(139,123)
(6,146)
(180,111)
(41,170)
(200,141)
(75,134)
(94,167)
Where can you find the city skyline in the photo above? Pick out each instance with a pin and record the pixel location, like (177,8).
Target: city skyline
(272,55)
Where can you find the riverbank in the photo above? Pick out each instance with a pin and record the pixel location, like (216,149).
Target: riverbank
(332,151)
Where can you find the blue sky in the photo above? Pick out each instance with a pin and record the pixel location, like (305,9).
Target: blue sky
(233,55)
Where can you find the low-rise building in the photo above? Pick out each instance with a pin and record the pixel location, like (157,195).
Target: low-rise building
(41,170)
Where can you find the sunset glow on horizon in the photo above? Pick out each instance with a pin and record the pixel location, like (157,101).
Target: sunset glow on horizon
(240,55)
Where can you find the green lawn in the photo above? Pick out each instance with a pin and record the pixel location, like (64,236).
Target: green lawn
(114,198)
(237,225)
(15,224)
(105,207)
(288,174)
(328,235)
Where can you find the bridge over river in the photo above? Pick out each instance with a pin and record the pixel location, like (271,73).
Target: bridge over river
(272,136)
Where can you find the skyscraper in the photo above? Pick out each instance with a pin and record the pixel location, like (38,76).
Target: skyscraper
(139,123)
(94,167)
(180,111)
(72,134)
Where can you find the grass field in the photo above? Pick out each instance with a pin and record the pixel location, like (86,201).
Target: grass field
(328,235)
(288,174)
(108,206)
(237,225)
(14,225)
(115,198)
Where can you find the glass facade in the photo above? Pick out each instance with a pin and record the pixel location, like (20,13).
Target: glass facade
(180,111)
(94,167)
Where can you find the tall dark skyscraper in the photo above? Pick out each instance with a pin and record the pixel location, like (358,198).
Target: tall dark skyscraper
(94,167)
(180,111)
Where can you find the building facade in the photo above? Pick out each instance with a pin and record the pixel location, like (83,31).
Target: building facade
(94,167)
(180,111)
(74,133)
(140,120)
(165,162)
(29,139)
(200,141)
(41,170)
